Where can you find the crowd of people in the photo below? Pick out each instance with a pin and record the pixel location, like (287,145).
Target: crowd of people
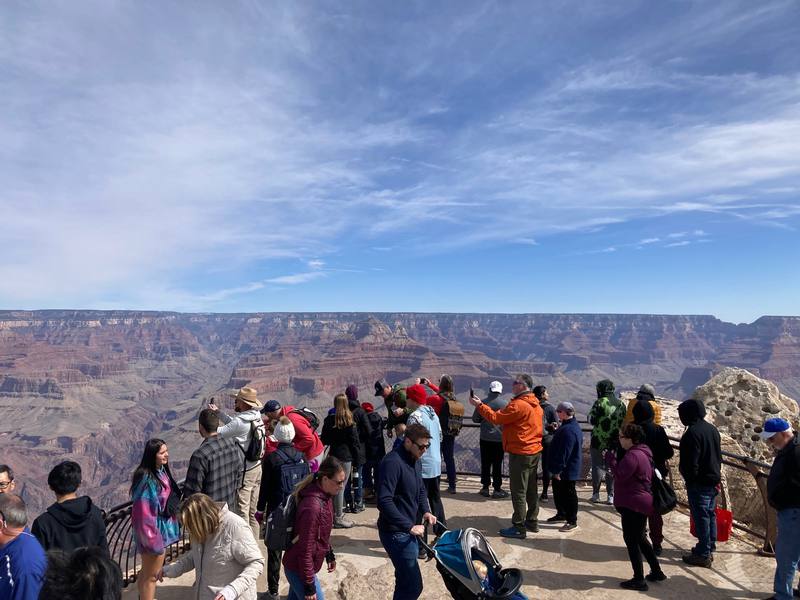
(269,466)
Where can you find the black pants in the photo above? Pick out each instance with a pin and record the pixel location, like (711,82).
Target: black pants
(566,499)
(435,501)
(273,570)
(492,464)
(545,473)
(634,526)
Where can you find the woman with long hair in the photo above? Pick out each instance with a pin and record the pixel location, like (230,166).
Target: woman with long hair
(313,524)
(225,556)
(154,528)
(633,500)
(340,433)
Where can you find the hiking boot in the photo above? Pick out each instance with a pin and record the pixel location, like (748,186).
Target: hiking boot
(655,576)
(342,524)
(556,518)
(698,561)
(499,494)
(532,526)
(640,585)
(544,497)
(512,532)
(568,527)
(657,549)
(595,498)
(485,492)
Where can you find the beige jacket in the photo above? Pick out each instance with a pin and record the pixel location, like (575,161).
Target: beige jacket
(229,561)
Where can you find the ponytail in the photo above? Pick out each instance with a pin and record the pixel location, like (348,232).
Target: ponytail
(329,467)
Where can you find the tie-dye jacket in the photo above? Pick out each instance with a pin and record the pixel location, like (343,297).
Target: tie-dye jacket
(153,532)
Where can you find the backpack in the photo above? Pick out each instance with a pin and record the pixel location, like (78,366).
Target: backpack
(280,525)
(292,473)
(257,444)
(308,415)
(453,413)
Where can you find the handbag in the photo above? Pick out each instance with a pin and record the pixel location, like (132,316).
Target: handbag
(664,498)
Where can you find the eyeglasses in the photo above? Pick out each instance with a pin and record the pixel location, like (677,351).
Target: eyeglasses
(422,447)
(5,484)
(517,383)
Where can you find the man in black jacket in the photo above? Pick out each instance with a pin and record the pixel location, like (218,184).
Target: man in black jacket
(550,422)
(354,492)
(700,466)
(71,522)
(783,494)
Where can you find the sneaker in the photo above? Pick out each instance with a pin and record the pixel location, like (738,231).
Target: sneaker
(544,497)
(342,524)
(568,527)
(451,490)
(359,508)
(610,499)
(698,561)
(512,532)
(595,498)
(532,526)
(556,518)
(422,554)
(267,596)
(500,494)
(655,576)
(640,585)
(485,492)
(657,549)
(348,509)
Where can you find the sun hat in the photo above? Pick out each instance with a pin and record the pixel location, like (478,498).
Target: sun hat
(249,396)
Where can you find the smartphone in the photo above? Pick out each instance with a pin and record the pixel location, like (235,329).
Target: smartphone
(471,392)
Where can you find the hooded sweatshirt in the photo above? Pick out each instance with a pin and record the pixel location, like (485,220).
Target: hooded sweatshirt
(700,448)
(783,485)
(71,524)
(522,423)
(606,416)
(655,436)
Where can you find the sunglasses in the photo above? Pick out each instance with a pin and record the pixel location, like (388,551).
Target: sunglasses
(422,447)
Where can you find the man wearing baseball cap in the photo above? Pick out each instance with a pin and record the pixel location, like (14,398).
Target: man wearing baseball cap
(783,494)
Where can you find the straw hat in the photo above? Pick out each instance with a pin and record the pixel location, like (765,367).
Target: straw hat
(249,396)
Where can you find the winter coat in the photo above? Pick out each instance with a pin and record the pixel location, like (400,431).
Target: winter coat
(401,492)
(431,461)
(311,544)
(376,449)
(565,453)
(606,416)
(700,447)
(228,562)
(305,439)
(238,429)
(550,422)
(22,566)
(344,443)
(655,436)
(783,484)
(522,423)
(364,428)
(489,431)
(71,524)
(633,475)
(152,531)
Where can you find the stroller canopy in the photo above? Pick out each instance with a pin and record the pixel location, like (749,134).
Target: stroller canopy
(455,551)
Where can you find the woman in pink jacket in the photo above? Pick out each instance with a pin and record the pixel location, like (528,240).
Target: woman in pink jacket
(634,502)
(313,524)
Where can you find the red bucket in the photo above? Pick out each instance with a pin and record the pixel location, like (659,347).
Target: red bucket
(724,525)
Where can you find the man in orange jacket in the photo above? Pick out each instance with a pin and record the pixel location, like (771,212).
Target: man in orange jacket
(522,439)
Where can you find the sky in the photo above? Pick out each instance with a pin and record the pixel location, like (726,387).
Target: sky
(464,156)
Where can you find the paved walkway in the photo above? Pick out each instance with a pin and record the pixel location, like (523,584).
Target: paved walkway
(590,561)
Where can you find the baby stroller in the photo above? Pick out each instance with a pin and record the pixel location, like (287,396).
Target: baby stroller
(455,552)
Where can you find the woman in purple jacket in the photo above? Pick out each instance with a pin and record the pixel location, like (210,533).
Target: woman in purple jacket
(313,524)
(634,502)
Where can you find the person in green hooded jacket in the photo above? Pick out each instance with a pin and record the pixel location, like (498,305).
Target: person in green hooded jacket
(605,416)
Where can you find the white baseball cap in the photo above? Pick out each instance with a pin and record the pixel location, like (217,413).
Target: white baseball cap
(496,386)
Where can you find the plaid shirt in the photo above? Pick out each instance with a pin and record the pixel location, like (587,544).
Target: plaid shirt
(215,469)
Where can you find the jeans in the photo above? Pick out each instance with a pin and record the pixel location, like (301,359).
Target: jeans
(402,549)
(297,590)
(273,570)
(448,448)
(787,552)
(598,466)
(633,532)
(492,464)
(566,499)
(524,485)
(702,505)
(338,499)
(354,493)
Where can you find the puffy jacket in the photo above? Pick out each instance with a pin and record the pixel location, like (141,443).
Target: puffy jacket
(344,443)
(565,453)
(71,524)
(489,431)
(633,476)
(238,428)
(522,423)
(700,447)
(643,399)
(431,460)
(228,562)
(783,485)
(364,428)
(305,439)
(655,436)
(311,544)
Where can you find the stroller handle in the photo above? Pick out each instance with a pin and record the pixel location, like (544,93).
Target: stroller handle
(429,549)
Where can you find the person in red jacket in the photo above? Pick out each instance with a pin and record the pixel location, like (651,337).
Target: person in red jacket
(313,524)
(305,439)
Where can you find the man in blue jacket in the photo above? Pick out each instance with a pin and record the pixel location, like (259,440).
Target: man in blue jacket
(22,559)
(401,496)
(564,465)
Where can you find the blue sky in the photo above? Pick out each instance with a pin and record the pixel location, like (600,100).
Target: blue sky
(401,156)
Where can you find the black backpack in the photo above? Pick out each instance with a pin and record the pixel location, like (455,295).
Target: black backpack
(280,525)
(292,473)
(308,415)
(257,444)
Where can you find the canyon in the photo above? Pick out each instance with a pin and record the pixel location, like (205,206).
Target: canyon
(91,386)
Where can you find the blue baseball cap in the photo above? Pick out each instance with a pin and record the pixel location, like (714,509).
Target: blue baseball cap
(773,426)
(271,406)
